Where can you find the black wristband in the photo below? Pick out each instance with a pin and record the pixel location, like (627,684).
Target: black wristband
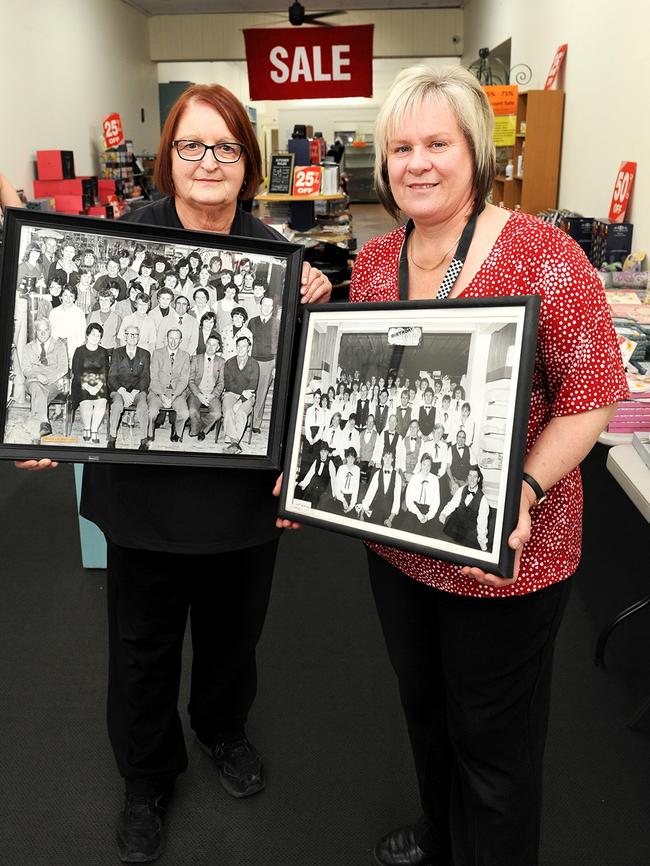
(540,495)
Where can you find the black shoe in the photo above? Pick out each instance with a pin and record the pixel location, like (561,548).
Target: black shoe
(110,443)
(256,430)
(399,848)
(45,429)
(201,436)
(143,446)
(140,831)
(240,766)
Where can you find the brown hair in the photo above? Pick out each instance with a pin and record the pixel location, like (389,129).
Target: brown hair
(237,121)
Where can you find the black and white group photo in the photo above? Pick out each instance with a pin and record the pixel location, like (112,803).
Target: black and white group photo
(405,425)
(124,343)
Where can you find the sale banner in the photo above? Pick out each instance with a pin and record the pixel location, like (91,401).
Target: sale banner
(622,191)
(307,180)
(294,63)
(113,132)
(556,66)
(502,98)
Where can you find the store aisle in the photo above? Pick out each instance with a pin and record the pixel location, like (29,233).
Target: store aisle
(327,718)
(368,221)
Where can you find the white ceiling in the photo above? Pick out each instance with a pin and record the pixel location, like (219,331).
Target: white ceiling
(191,7)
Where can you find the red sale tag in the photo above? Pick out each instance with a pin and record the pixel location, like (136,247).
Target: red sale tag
(307,179)
(555,66)
(622,191)
(113,133)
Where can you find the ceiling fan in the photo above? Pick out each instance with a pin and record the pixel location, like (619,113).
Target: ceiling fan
(298,16)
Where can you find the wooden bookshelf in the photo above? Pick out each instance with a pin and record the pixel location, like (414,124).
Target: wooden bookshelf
(536,188)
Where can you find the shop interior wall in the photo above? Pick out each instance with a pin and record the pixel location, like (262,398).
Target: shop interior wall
(606,79)
(325,115)
(66,65)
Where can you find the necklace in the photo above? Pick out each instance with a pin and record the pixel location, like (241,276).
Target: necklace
(437,265)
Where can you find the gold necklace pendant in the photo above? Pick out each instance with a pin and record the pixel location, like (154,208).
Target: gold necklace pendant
(437,265)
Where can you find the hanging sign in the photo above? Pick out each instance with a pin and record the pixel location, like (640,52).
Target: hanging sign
(622,191)
(294,63)
(281,173)
(556,66)
(502,98)
(306,179)
(112,129)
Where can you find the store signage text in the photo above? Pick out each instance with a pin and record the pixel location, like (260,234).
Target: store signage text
(556,66)
(307,180)
(622,191)
(112,129)
(292,63)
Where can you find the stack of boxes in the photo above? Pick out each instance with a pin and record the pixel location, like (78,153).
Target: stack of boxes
(71,194)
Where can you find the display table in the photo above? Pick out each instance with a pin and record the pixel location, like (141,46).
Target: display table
(633,476)
(302,206)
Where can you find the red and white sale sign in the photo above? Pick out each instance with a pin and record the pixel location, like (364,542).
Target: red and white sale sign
(299,63)
(622,191)
(555,66)
(113,132)
(307,179)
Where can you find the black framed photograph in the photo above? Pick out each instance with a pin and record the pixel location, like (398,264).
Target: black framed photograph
(408,424)
(121,342)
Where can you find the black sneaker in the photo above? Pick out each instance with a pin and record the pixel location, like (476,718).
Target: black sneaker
(140,831)
(240,765)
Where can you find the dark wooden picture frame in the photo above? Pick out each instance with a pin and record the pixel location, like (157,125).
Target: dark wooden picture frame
(24,298)
(480,352)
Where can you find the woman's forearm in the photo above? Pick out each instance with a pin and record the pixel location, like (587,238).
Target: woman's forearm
(564,443)
(8,195)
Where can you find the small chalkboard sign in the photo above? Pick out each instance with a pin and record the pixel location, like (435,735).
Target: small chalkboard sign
(281,175)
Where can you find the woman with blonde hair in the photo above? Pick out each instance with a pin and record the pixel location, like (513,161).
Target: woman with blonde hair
(472,651)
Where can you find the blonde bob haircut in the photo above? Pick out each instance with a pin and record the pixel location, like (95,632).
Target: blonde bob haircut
(454,87)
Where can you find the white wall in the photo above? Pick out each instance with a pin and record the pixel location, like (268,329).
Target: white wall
(65,65)
(325,115)
(606,79)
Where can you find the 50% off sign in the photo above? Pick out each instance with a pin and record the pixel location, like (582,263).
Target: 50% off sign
(622,191)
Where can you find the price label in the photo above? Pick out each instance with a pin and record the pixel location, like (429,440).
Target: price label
(307,179)
(113,133)
(556,66)
(622,190)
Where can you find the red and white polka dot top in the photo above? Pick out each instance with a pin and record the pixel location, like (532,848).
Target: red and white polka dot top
(577,367)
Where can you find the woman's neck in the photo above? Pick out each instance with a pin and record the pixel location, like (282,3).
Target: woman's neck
(216,219)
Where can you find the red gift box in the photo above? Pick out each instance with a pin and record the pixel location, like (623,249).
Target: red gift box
(69,203)
(55,164)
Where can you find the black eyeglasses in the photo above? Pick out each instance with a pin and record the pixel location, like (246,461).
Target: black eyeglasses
(193,151)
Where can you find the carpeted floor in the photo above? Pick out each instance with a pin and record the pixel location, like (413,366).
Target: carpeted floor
(327,717)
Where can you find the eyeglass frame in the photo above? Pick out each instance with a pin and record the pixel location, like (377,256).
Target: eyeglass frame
(210,147)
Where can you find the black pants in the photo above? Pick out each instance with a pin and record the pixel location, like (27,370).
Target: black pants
(149,596)
(474,677)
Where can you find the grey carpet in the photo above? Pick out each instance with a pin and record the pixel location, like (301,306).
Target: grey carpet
(327,717)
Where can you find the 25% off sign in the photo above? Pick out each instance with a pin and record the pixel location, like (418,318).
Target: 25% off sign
(113,132)
(307,180)
(622,191)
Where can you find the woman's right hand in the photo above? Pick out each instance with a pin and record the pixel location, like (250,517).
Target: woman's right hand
(44,463)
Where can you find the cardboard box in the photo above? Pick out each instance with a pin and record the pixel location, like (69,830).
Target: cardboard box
(54,164)
(69,203)
(580,229)
(610,242)
(84,186)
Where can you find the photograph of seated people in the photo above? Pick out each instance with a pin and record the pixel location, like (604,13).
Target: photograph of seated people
(160,549)
(97,279)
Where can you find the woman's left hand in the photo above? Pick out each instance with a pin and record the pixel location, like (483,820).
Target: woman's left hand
(315,288)
(281,522)
(518,537)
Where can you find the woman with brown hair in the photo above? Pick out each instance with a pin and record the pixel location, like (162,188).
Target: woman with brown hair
(212,561)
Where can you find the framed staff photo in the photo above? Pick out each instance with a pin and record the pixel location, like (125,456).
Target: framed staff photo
(124,343)
(408,424)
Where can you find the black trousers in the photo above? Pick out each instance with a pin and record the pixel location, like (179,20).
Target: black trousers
(474,677)
(149,596)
